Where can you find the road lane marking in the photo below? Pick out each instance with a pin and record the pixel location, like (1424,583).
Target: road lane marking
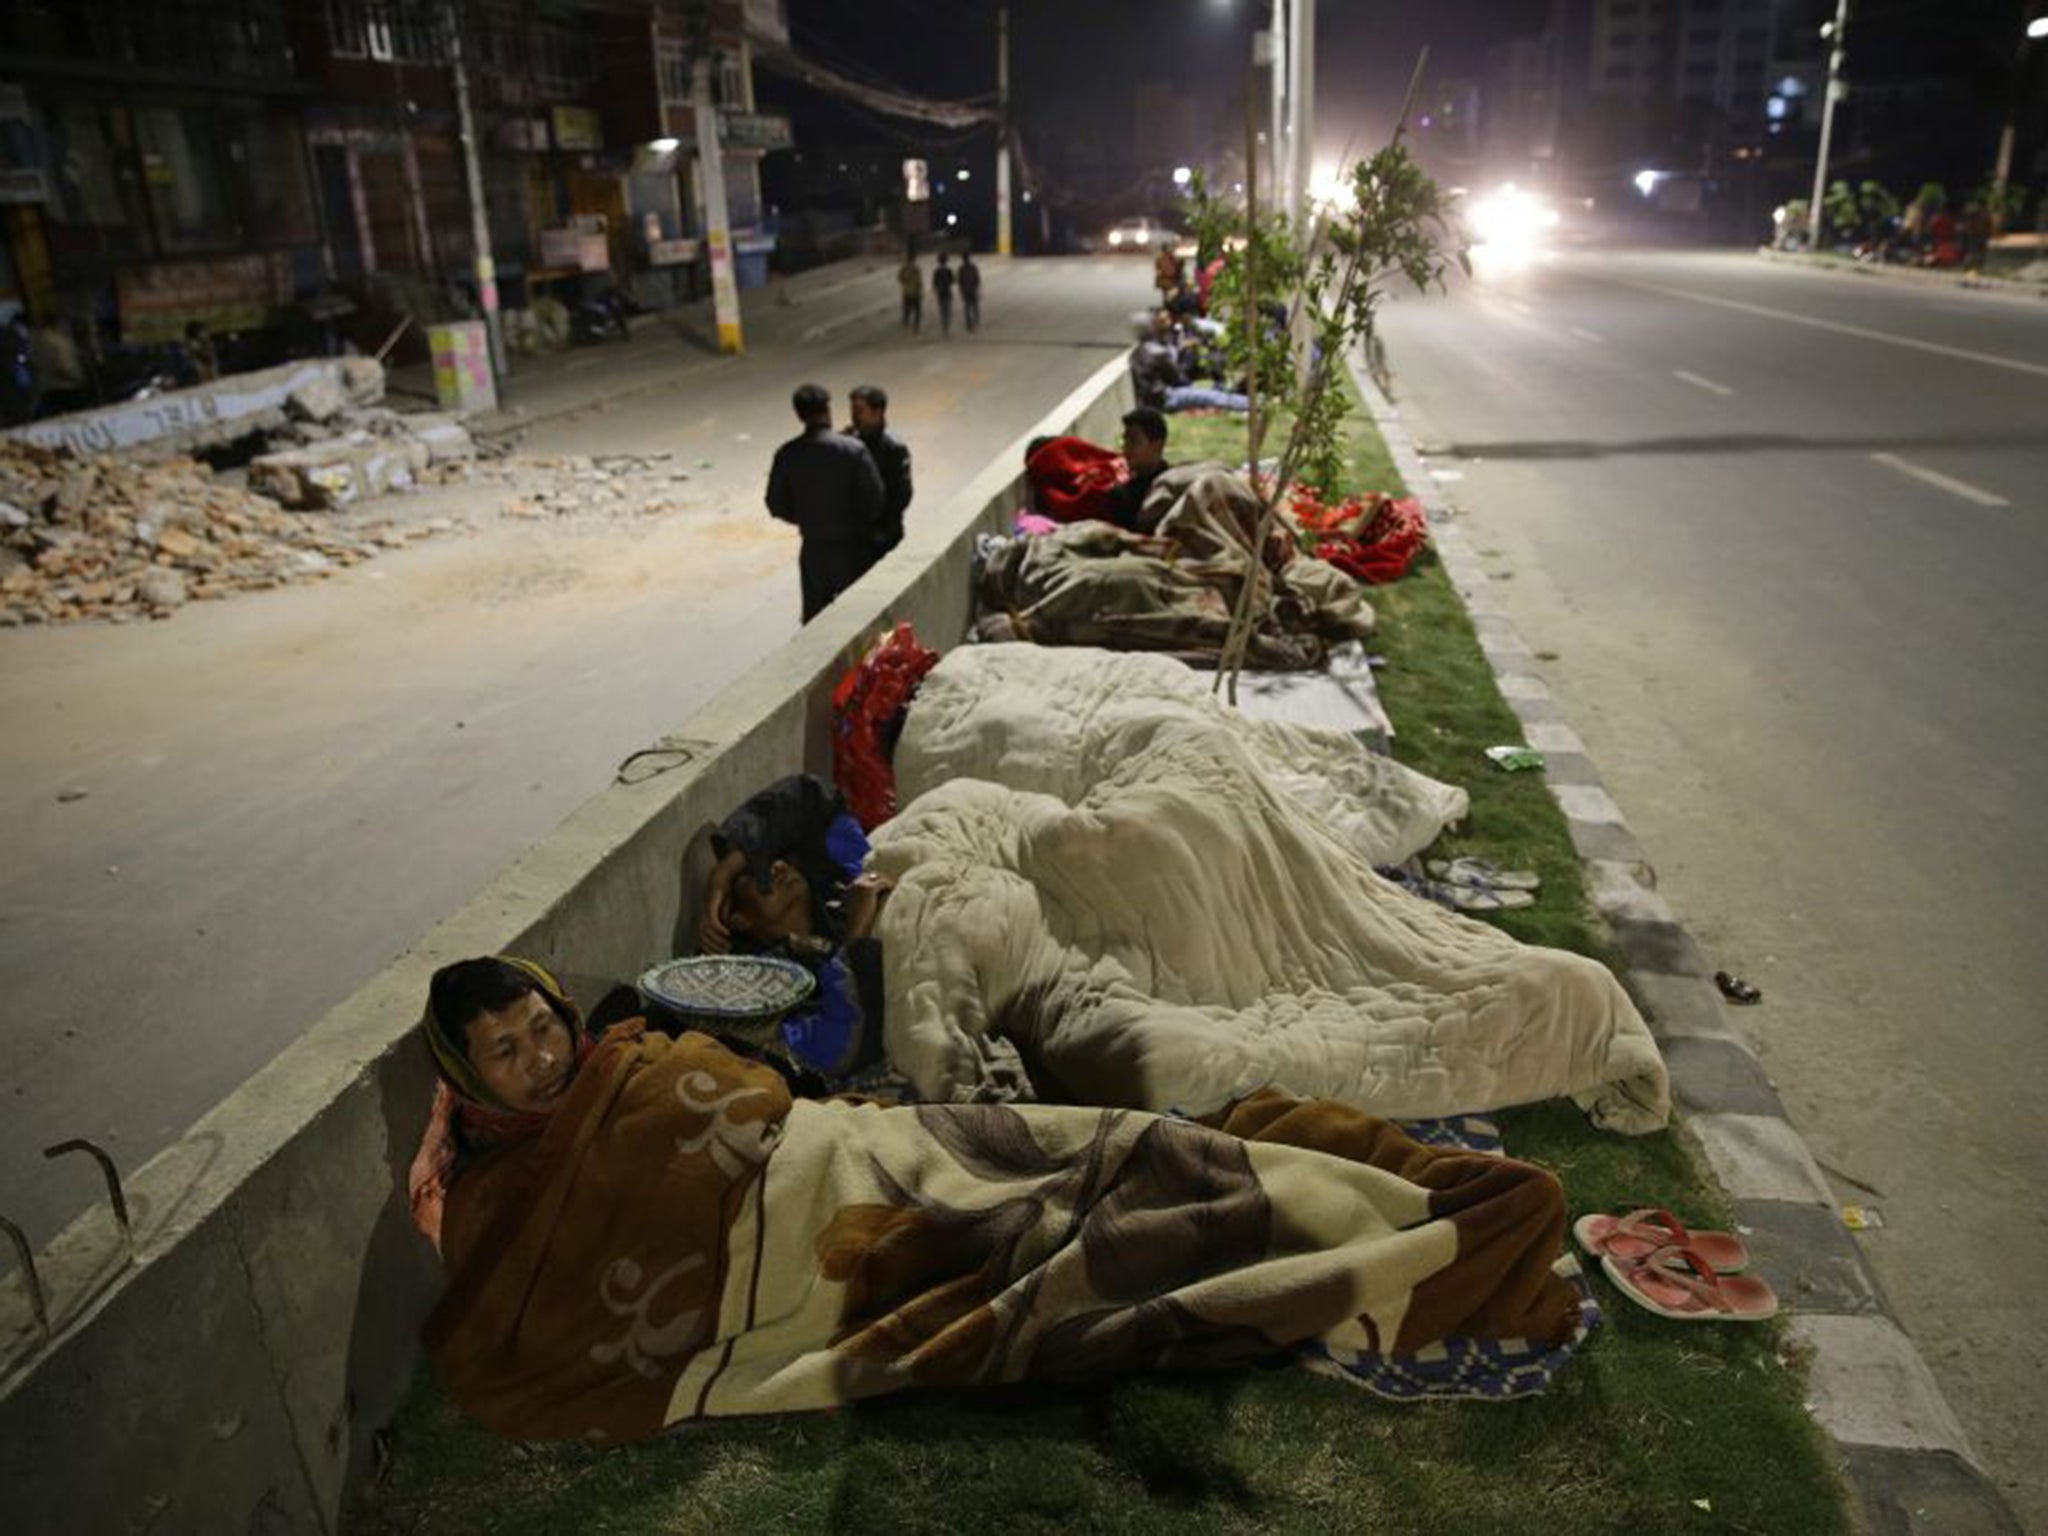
(1707,384)
(1585,335)
(1933,477)
(1989,359)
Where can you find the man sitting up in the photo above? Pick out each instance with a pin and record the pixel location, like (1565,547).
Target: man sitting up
(1145,451)
(827,484)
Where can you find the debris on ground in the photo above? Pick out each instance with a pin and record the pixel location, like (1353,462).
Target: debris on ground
(107,537)
(563,485)
(117,538)
(1514,759)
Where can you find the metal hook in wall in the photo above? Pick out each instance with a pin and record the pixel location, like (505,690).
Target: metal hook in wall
(113,1177)
(29,1277)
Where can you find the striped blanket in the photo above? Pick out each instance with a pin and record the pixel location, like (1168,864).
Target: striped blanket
(682,1240)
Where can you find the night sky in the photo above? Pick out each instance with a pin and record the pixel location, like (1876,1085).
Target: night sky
(1076,65)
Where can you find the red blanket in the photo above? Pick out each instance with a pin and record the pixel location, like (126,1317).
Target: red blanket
(1072,479)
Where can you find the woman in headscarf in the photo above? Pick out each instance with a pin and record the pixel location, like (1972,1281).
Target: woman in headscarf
(642,1231)
(506,1042)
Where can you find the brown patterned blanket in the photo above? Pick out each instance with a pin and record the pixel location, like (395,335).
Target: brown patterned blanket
(682,1240)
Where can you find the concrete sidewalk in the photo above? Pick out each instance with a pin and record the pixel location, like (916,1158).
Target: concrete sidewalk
(1922,277)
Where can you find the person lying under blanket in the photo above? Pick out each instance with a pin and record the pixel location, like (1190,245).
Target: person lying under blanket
(1171,581)
(1111,888)
(643,1231)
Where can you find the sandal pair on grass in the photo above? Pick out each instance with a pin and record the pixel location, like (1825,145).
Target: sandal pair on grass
(1690,1277)
(1479,885)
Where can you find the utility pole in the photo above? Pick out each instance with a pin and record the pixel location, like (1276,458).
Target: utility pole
(1276,161)
(1303,104)
(485,268)
(1003,130)
(725,293)
(1836,33)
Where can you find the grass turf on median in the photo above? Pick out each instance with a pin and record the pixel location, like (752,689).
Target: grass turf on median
(1656,1425)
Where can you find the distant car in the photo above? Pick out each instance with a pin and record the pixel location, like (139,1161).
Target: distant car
(1138,237)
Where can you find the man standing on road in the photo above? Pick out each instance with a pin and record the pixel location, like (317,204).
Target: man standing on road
(891,455)
(910,278)
(942,286)
(970,292)
(827,485)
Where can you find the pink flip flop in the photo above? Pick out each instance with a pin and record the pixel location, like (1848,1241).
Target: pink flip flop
(1677,1283)
(1641,1233)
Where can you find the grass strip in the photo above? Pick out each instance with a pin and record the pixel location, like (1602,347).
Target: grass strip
(1656,1426)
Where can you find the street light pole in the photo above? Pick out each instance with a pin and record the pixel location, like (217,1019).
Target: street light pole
(1835,33)
(1276,163)
(725,293)
(2036,29)
(1302,102)
(1003,130)
(479,216)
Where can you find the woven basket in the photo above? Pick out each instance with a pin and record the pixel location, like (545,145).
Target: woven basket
(743,996)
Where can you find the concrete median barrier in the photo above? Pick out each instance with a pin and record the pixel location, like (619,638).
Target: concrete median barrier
(232,1371)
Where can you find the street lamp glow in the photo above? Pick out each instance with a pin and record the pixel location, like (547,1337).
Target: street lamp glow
(961,174)
(664,146)
(2038,27)
(1646,181)
(1182,175)
(952,218)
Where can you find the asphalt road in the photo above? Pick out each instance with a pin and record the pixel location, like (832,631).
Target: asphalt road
(1781,537)
(286,788)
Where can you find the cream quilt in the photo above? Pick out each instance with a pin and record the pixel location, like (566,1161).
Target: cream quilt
(1121,897)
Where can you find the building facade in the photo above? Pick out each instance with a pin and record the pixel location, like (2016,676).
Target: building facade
(240,163)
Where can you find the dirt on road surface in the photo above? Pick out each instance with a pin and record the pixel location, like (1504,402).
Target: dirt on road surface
(218,826)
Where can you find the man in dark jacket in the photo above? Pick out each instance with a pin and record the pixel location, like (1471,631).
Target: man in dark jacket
(827,485)
(891,455)
(942,286)
(970,292)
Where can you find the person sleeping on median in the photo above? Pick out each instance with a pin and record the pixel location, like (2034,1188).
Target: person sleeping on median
(639,1231)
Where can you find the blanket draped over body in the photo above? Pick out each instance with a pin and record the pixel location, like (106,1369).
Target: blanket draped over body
(681,1240)
(1172,588)
(1159,918)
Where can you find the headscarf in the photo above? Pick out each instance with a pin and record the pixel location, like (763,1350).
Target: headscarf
(466,1114)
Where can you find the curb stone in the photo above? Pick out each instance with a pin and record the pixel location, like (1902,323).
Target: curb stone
(1900,1448)
(1914,277)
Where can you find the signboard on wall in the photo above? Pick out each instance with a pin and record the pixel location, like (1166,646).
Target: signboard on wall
(577,128)
(755,130)
(225,293)
(24,186)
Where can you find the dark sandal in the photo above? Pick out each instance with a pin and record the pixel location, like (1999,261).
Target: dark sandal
(1736,990)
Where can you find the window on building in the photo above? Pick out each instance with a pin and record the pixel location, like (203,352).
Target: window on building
(182,177)
(728,84)
(564,60)
(277,202)
(393,31)
(97,196)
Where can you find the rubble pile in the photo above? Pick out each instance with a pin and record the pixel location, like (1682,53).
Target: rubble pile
(567,485)
(114,538)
